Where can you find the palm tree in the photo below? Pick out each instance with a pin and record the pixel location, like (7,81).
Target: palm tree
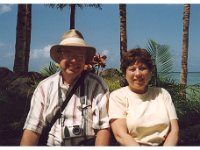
(23,38)
(73,10)
(123,35)
(184,62)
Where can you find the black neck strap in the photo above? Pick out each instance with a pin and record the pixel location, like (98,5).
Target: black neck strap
(69,94)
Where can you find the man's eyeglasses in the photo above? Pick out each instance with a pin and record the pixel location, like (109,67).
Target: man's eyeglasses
(69,56)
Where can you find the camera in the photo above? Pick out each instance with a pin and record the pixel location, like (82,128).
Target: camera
(72,131)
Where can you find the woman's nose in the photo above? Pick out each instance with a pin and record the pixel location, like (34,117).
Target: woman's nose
(137,72)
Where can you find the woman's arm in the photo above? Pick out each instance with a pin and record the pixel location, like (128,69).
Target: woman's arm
(120,132)
(29,138)
(103,137)
(172,137)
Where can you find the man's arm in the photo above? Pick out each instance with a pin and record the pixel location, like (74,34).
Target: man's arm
(29,138)
(103,137)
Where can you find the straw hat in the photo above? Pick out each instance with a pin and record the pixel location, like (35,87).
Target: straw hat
(72,40)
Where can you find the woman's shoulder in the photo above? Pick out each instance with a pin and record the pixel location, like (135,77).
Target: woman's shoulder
(158,91)
(120,92)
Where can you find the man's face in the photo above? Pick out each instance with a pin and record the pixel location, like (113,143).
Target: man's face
(72,61)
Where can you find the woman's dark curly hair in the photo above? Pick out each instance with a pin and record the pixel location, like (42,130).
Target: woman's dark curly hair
(136,55)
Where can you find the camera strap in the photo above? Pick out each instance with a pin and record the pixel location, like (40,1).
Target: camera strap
(83,101)
(84,107)
(69,94)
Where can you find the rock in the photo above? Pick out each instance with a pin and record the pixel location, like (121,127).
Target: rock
(5,72)
(6,76)
(15,95)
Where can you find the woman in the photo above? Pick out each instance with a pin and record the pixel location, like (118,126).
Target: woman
(142,115)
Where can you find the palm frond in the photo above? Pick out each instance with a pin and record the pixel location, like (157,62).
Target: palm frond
(81,6)
(99,6)
(57,6)
(162,58)
(49,70)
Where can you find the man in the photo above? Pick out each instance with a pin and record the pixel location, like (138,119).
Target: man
(72,53)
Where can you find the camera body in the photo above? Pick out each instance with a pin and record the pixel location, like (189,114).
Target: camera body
(72,131)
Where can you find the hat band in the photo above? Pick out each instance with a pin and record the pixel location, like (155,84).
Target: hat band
(73,40)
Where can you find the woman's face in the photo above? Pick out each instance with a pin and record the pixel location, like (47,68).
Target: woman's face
(138,76)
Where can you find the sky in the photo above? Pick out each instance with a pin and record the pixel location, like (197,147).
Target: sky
(162,23)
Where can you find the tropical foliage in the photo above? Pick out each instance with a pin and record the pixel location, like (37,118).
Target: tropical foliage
(62,6)
(49,70)
(162,59)
(99,62)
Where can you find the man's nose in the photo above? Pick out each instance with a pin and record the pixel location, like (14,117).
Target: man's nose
(73,59)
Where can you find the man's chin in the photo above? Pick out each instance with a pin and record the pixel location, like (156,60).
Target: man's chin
(73,71)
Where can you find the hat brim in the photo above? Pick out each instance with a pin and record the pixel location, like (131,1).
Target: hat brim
(55,54)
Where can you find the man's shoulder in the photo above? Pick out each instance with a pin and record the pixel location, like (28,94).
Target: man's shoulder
(49,79)
(93,77)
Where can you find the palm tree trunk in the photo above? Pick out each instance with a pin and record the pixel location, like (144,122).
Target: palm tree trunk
(184,62)
(23,38)
(123,34)
(72,15)
(73,10)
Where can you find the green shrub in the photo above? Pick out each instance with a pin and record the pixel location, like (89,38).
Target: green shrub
(113,84)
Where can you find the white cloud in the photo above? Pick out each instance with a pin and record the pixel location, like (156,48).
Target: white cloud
(40,53)
(105,52)
(5,8)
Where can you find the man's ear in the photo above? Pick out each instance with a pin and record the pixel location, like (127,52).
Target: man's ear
(59,58)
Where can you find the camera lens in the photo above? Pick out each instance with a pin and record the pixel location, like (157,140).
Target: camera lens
(76,130)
